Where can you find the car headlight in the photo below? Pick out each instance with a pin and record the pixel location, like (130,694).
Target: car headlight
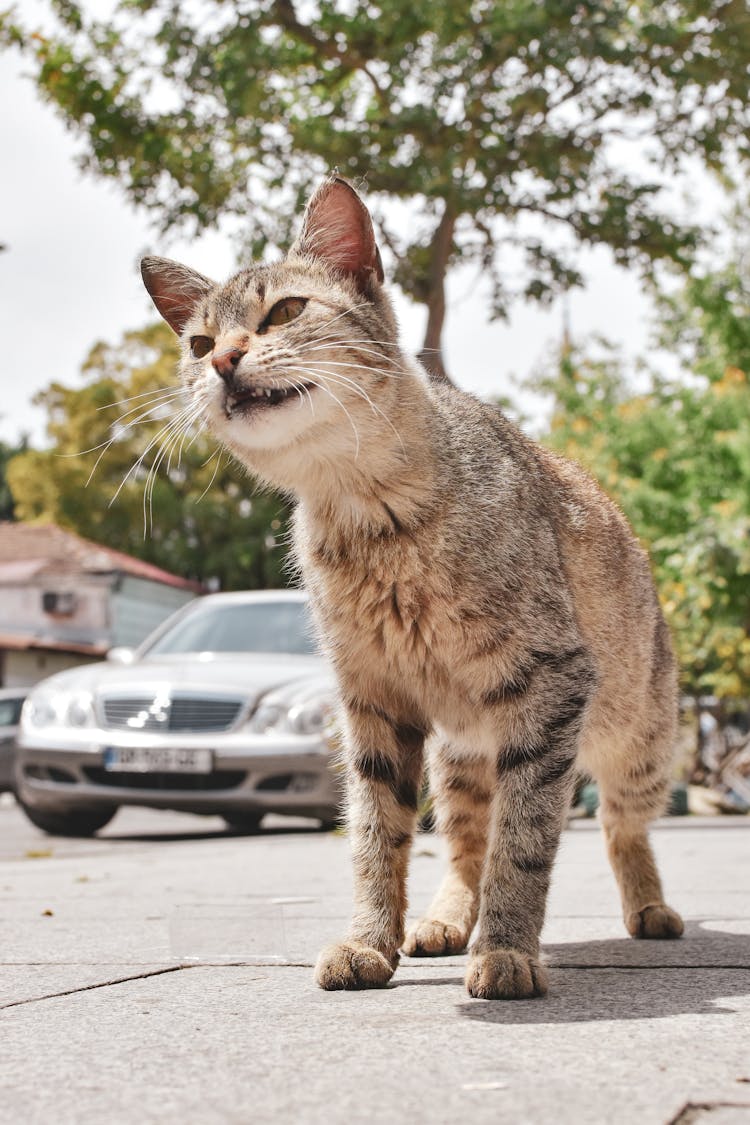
(314,715)
(58,708)
(79,711)
(39,711)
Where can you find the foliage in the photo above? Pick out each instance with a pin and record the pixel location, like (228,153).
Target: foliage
(6,498)
(677,459)
(208,522)
(512,132)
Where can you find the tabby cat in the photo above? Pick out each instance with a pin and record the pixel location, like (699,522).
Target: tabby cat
(483,602)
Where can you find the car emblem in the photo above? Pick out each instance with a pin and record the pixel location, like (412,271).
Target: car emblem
(157,712)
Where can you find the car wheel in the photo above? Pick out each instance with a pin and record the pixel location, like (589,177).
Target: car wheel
(246,823)
(72,822)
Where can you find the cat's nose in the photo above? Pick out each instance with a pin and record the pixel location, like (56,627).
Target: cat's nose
(225,363)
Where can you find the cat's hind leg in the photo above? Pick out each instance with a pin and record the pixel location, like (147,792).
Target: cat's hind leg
(461,787)
(538,732)
(630,800)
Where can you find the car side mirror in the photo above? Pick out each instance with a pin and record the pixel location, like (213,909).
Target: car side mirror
(120,654)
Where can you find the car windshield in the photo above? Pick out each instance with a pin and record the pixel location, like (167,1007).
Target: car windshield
(274,627)
(10,712)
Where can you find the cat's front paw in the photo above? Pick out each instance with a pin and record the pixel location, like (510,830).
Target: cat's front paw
(429,938)
(505,974)
(350,965)
(657,921)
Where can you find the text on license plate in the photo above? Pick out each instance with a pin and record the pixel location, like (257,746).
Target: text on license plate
(161,759)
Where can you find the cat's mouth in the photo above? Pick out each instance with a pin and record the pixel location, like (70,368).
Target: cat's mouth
(250,399)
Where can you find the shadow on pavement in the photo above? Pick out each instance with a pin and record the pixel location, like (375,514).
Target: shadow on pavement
(586,986)
(208,834)
(596,981)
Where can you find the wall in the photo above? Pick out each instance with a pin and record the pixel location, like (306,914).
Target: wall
(21,610)
(137,606)
(24,669)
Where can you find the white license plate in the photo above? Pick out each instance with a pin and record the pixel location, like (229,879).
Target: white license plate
(161,759)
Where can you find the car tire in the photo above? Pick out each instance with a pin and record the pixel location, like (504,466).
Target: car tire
(73,822)
(246,823)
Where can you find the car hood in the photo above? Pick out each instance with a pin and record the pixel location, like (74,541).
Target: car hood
(248,674)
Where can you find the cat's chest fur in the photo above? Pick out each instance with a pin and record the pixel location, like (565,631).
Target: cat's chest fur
(396,617)
(383,598)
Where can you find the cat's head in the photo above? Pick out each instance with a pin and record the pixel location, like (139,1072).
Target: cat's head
(293,351)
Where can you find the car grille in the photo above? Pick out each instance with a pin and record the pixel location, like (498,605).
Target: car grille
(182,714)
(219,780)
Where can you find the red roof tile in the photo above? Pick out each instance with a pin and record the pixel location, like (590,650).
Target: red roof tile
(51,549)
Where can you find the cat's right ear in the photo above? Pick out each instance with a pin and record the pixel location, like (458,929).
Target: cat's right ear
(175,289)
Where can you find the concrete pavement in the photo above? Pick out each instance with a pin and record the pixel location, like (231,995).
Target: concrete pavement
(120,1001)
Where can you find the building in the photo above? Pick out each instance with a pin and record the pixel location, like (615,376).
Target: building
(66,601)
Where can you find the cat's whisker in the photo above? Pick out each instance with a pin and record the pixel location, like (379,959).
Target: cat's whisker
(139,461)
(186,431)
(301,389)
(339,316)
(375,342)
(193,432)
(346,339)
(163,393)
(170,433)
(217,453)
(125,421)
(176,432)
(106,445)
(338,345)
(118,422)
(328,391)
(345,381)
(357,367)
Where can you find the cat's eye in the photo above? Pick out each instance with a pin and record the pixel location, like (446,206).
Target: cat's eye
(285,310)
(200,346)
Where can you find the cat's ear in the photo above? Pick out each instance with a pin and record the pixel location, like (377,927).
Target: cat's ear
(174,289)
(337,229)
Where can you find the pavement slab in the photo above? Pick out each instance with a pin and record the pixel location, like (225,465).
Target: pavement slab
(121,1000)
(264,1044)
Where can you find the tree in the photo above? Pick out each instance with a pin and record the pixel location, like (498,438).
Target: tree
(7,452)
(159,491)
(511,133)
(676,457)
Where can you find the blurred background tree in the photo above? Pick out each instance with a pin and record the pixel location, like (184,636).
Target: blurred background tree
(196,515)
(7,453)
(511,133)
(676,456)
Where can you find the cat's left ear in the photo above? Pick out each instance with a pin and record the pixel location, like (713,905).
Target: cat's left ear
(337,228)
(175,289)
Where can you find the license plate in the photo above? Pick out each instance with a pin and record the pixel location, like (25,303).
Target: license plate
(162,759)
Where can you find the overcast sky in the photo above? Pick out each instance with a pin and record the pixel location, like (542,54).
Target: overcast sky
(69,276)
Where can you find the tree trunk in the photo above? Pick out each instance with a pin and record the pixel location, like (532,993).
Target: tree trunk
(431,354)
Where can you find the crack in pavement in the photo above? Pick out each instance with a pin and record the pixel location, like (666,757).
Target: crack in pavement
(412,964)
(91,987)
(694,1111)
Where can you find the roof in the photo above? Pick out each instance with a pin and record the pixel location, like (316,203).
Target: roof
(21,642)
(30,550)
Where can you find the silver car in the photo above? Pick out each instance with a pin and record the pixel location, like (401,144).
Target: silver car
(227,709)
(11,702)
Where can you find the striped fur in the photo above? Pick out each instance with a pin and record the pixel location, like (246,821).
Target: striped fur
(486,607)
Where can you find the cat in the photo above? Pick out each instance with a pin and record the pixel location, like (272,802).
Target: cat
(480,598)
